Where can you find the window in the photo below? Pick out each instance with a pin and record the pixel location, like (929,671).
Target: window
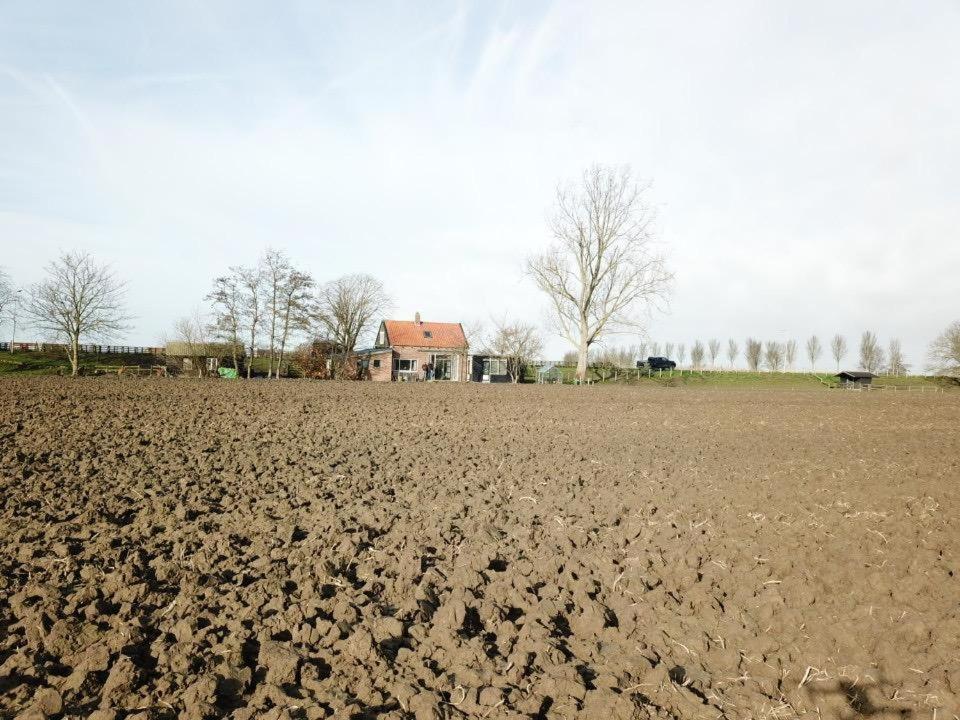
(376,363)
(406,365)
(427,334)
(494,366)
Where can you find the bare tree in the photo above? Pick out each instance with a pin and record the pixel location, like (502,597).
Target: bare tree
(8,293)
(642,351)
(190,337)
(714,348)
(274,270)
(681,354)
(895,361)
(813,351)
(615,357)
(474,331)
(871,354)
(349,307)
(569,358)
(296,305)
(519,343)
(601,272)
(602,363)
(654,349)
(774,355)
(697,353)
(838,348)
(733,352)
(228,312)
(250,283)
(790,353)
(9,304)
(944,353)
(754,354)
(667,349)
(79,299)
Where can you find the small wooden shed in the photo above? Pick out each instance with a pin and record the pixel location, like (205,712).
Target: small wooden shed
(193,358)
(855,378)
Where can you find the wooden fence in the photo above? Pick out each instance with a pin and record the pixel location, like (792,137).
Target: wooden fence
(895,388)
(85,348)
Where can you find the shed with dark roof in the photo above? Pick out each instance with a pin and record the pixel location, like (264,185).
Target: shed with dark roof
(855,377)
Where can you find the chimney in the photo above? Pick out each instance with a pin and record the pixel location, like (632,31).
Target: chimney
(416,318)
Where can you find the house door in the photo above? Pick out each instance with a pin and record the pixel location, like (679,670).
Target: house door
(441,367)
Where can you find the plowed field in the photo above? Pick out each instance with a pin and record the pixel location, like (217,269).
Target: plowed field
(305,550)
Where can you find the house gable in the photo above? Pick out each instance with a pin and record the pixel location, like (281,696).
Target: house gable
(383,339)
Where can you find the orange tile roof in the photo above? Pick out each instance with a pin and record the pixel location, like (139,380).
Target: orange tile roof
(409,333)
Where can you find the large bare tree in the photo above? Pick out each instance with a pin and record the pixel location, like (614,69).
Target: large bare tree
(601,273)
(944,353)
(754,353)
(78,299)
(838,348)
(518,342)
(871,354)
(813,351)
(349,307)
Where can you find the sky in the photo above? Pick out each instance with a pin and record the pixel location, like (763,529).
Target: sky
(803,158)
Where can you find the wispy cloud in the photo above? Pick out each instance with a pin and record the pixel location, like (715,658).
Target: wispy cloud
(424,146)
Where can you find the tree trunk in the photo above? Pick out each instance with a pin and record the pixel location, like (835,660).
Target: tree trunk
(582,352)
(273,332)
(253,340)
(74,356)
(283,338)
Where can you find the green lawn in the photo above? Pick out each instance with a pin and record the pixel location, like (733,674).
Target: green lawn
(741,379)
(38,362)
(726,378)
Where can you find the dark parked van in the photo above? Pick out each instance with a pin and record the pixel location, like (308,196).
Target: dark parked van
(660,363)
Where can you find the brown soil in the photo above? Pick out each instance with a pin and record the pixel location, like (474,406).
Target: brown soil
(214,549)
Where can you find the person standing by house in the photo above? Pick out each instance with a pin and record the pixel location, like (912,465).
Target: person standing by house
(428,371)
